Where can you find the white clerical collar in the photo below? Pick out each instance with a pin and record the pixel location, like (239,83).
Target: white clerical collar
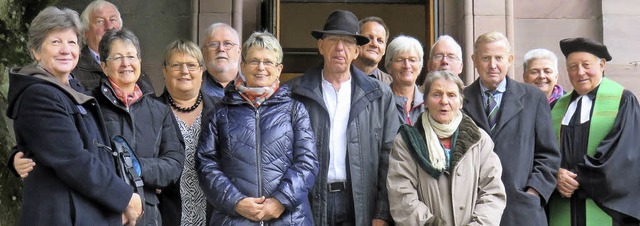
(585,110)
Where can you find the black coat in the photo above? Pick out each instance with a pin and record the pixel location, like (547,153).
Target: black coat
(524,141)
(61,129)
(252,152)
(149,127)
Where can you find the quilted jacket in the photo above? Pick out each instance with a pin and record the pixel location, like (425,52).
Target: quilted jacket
(253,152)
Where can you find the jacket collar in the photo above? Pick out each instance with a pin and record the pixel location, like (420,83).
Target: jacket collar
(86,62)
(510,106)
(107,91)
(364,88)
(21,78)
(232,96)
(468,135)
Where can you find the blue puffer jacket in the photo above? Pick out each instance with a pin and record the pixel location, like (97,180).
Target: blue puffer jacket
(248,152)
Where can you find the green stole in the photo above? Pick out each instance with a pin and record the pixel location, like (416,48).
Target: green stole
(605,110)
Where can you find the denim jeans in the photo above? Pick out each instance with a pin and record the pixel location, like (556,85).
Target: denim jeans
(340,208)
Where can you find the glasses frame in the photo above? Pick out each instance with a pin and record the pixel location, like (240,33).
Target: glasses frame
(120,59)
(179,66)
(226,45)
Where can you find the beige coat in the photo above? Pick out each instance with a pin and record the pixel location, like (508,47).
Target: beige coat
(472,195)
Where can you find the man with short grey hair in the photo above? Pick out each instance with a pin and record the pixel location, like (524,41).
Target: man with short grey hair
(517,117)
(445,54)
(353,118)
(221,52)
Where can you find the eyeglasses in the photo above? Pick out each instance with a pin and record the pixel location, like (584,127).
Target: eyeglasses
(440,56)
(266,63)
(346,40)
(412,60)
(227,45)
(120,59)
(190,66)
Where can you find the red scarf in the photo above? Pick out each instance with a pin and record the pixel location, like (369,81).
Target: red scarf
(126,98)
(255,95)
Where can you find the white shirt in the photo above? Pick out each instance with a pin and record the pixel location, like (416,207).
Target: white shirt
(338,104)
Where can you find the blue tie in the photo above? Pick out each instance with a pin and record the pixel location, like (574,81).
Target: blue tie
(492,108)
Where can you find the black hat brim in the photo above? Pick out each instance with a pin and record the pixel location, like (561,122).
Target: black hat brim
(360,40)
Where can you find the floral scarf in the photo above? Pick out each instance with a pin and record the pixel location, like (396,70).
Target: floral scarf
(555,94)
(255,95)
(126,98)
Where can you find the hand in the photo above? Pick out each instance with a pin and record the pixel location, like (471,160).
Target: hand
(273,208)
(158,191)
(23,165)
(250,208)
(533,191)
(133,211)
(379,222)
(567,182)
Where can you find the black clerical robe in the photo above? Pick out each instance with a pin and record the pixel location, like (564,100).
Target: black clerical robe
(609,176)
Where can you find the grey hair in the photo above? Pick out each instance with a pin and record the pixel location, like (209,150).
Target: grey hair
(457,48)
(97,4)
(185,47)
(52,19)
(263,40)
(123,35)
(377,20)
(535,54)
(214,26)
(403,44)
(445,75)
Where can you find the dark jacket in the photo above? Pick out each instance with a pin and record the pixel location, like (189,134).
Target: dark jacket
(89,72)
(524,141)
(373,124)
(170,199)
(61,129)
(149,127)
(236,136)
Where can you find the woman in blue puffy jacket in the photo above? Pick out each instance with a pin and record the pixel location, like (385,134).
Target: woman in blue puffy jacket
(256,157)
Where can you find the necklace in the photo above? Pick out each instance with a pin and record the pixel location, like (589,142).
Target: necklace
(185,110)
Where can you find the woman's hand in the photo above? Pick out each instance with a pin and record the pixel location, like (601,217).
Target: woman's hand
(567,182)
(251,208)
(23,165)
(272,210)
(133,211)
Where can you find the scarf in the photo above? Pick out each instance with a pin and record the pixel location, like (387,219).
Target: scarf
(434,131)
(126,98)
(555,94)
(255,95)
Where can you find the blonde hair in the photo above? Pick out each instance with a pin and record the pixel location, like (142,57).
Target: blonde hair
(490,37)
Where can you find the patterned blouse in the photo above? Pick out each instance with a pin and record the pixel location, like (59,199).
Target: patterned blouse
(194,203)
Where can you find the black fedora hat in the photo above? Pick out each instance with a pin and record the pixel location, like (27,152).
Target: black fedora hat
(341,22)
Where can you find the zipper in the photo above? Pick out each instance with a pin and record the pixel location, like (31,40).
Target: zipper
(258,155)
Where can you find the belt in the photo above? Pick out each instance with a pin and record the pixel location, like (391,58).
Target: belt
(337,186)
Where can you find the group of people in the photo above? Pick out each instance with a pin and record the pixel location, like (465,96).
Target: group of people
(343,144)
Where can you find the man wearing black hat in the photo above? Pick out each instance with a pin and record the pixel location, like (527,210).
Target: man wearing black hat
(597,125)
(354,121)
